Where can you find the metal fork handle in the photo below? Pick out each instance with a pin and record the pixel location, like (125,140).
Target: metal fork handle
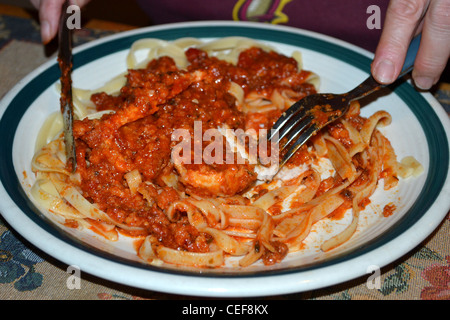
(365,88)
(370,84)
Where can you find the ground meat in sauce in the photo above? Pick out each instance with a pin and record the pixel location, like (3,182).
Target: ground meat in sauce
(270,258)
(154,102)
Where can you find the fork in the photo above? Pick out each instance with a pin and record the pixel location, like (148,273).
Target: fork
(309,115)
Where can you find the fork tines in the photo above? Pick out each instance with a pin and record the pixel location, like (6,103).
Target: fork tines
(304,136)
(292,130)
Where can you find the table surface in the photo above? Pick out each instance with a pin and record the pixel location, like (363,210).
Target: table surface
(28,273)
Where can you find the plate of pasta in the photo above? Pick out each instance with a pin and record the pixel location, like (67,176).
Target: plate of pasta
(175,187)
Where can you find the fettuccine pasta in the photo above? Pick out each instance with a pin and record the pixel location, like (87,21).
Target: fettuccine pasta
(159,157)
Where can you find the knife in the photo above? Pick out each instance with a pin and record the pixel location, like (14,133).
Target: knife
(65,64)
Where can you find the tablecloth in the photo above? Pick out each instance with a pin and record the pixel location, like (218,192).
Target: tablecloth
(28,273)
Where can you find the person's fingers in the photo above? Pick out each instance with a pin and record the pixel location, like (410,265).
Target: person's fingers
(434,49)
(49,13)
(402,18)
(35,3)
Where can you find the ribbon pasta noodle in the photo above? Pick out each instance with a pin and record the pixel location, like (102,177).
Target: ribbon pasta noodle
(129,181)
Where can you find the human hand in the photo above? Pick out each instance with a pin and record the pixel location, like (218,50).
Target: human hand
(404,19)
(49,12)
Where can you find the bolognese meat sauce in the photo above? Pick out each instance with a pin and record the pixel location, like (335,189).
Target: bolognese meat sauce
(154,102)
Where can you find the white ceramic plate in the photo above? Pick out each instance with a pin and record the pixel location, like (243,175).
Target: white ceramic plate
(420,128)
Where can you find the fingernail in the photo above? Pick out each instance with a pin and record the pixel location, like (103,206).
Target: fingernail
(424,83)
(45,31)
(384,71)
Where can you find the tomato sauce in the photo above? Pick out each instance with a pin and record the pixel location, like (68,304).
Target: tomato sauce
(154,102)
(389,209)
